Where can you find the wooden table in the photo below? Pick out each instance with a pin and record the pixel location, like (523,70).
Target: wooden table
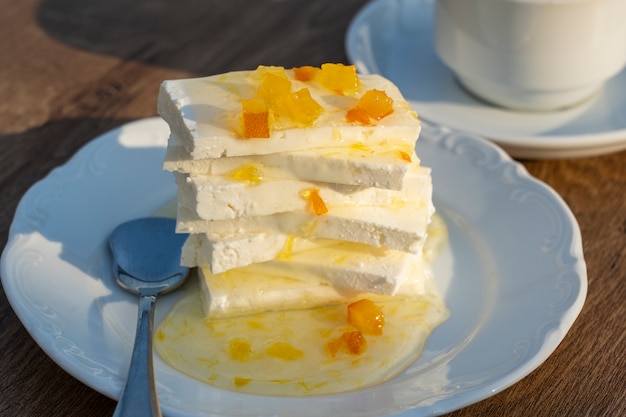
(72,69)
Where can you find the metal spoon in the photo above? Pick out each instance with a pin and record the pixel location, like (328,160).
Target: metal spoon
(146,261)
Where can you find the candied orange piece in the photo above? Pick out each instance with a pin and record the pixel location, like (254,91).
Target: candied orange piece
(299,107)
(376,103)
(316,203)
(339,78)
(305,73)
(273,86)
(355,341)
(357,114)
(366,316)
(404,156)
(373,105)
(333,346)
(255,118)
(308,110)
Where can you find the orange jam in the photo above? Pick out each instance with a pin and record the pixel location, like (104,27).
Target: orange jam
(339,78)
(372,106)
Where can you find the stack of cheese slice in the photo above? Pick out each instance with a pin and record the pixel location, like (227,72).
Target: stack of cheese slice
(298,187)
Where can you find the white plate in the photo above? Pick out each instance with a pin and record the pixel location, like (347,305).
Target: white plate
(513,276)
(394,38)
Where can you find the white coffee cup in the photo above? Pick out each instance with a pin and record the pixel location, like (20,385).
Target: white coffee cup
(532,54)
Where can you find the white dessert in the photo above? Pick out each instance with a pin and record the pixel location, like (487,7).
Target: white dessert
(308,213)
(221,197)
(285,194)
(204,114)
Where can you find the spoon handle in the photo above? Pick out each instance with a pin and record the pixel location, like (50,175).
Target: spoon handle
(139,397)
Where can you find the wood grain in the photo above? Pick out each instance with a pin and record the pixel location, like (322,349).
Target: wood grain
(72,69)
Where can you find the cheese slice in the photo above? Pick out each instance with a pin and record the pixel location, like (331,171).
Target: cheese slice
(213,197)
(400,227)
(348,265)
(205,115)
(382,166)
(251,290)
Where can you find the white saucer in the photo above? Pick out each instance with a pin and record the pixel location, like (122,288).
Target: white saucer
(394,38)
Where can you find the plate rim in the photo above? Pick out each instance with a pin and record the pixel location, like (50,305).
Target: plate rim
(497,157)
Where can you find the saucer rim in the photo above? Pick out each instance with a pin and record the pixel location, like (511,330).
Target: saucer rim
(518,145)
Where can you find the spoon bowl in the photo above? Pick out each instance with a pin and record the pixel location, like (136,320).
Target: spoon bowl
(146,261)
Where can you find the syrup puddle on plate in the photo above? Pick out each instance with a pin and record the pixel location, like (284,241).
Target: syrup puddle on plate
(284,352)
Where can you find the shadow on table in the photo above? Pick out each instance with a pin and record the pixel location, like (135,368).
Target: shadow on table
(199,37)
